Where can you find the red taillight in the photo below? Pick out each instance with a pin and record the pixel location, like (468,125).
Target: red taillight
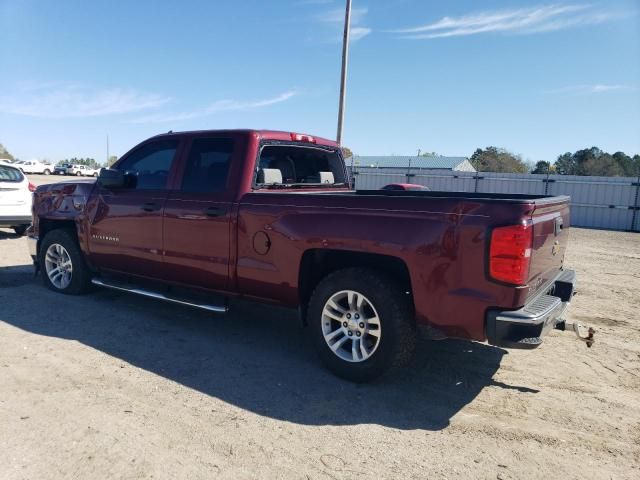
(298,137)
(510,253)
(32,187)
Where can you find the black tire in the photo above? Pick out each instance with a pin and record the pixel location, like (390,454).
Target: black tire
(47,171)
(395,312)
(81,275)
(20,230)
(78,174)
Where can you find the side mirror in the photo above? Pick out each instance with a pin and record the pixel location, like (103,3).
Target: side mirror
(109,178)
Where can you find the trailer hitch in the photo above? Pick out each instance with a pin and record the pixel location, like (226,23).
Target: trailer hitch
(563,325)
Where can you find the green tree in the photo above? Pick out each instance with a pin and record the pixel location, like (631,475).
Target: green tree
(566,165)
(625,162)
(494,159)
(4,153)
(542,167)
(90,162)
(603,165)
(593,161)
(113,159)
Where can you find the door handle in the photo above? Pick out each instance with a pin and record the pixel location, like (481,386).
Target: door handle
(150,207)
(214,212)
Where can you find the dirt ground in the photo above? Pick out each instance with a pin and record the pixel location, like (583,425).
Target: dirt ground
(110,385)
(44,179)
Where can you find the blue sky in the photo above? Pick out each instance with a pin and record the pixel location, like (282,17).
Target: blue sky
(447,76)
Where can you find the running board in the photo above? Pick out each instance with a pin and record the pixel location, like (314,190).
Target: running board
(160,296)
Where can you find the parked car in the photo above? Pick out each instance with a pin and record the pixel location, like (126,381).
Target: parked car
(82,171)
(270,216)
(61,169)
(35,167)
(15,199)
(405,187)
(92,172)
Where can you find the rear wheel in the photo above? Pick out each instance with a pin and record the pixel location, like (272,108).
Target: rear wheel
(47,171)
(362,323)
(78,174)
(62,264)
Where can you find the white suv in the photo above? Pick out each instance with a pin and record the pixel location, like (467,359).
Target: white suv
(15,199)
(82,170)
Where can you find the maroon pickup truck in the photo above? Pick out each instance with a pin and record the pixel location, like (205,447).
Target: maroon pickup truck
(270,216)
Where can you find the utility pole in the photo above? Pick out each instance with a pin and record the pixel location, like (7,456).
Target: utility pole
(107,162)
(343,76)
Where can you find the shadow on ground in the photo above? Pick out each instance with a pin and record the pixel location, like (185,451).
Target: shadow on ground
(256,357)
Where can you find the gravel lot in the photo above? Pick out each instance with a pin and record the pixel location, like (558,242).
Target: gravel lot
(38,180)
(110,385)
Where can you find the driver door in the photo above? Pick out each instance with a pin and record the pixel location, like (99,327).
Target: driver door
(126,225)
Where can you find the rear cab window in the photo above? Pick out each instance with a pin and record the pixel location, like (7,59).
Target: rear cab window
(284,165)
(207,167)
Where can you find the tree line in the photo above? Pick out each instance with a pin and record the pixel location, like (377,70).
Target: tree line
(589,161)
(89,162)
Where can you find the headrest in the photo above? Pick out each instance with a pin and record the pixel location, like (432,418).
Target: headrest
(269,175)
(326,177)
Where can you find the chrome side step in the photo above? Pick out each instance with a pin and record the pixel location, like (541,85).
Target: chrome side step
(160,296)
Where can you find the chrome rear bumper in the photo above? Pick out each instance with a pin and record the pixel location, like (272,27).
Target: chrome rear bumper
(525,327)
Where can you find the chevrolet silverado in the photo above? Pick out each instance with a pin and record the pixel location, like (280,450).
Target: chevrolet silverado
(270,216)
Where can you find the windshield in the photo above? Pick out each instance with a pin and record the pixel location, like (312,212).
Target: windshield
(288,165)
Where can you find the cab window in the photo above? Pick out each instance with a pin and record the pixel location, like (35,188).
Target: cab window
(149,165)
(207,166)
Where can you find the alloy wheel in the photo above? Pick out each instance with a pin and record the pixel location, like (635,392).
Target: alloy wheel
(351,326)
(58,266)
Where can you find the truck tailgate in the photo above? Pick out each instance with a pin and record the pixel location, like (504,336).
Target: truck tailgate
(550,221)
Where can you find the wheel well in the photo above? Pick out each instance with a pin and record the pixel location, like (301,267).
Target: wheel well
(318,263)
(46,225)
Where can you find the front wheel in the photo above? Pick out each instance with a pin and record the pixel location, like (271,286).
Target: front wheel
(78,174)
(362,323)
(62,264)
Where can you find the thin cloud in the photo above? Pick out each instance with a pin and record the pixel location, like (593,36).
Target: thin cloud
(337,15)
(589,89)
(72,101)
(543,18)
(335,19)
(358,33)
(215,107)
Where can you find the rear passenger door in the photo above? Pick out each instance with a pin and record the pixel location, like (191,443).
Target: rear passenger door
(197,216)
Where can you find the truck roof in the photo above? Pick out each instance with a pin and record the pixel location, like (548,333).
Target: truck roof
(263,134)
